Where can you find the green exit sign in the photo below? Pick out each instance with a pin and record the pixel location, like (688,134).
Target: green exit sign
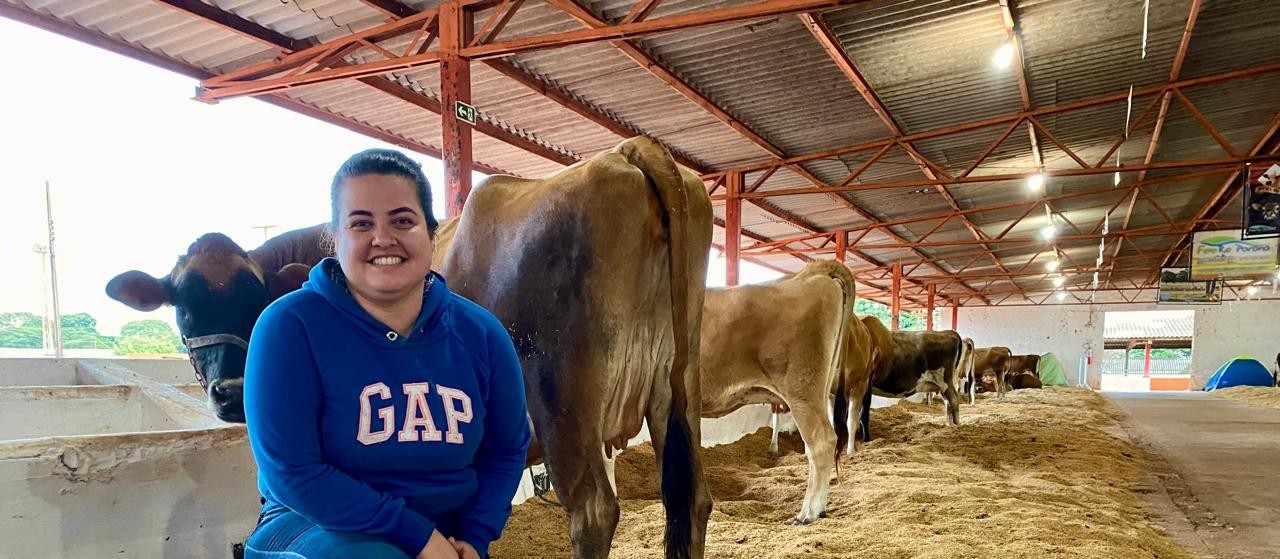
(465,112)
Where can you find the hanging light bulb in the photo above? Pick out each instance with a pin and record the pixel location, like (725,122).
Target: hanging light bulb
(1048,232)
(1115,180)
(1035,183)
(1062,295)
(1052,266)
(1058,281)
(1003,57)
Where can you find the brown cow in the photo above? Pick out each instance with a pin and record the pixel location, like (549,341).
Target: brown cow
(1024,364)
(218,291)
(1024,380)
(993,361)
(784,343)
(598,272)
(923,362)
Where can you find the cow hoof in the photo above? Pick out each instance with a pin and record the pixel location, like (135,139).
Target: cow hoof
(798,521)
(822,514)
(773,454)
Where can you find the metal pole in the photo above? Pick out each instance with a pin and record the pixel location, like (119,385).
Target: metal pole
(455,87)
(955,316)
(732,227)
(896,308)
(53,275)
(1146,361)
(928,319)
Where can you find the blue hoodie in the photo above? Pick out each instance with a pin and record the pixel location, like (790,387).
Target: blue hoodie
(334,401)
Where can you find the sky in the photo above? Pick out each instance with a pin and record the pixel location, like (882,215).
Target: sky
(138,170)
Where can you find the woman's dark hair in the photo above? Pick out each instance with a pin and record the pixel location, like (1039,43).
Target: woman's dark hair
(384,162)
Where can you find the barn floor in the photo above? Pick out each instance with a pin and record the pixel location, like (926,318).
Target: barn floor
(1041,473)
(1223,462)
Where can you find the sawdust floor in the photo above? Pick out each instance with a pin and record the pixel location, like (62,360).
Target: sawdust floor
(1253,395)
(1033,475)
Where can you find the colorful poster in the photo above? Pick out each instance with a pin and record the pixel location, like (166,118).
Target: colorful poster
(1261,201)
(1224,255)
(1176,287)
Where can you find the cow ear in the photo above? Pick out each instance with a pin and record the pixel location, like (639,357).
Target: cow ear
(138,290)
(1256,206)
(288,279)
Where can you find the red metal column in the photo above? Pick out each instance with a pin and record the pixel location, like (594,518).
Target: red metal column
(1146,361)
(896,308)
(732,226)
(842,245)
(955,316)
(455,86)
(928,319)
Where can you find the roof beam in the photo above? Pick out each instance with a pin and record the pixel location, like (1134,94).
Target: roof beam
(1010,118)
(1176,69)
(608,32)
(831,45)
(633,51)
(289,45)
(1020,70)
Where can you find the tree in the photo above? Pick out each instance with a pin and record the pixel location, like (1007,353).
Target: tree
(19,320)
(79,320)
(148,337)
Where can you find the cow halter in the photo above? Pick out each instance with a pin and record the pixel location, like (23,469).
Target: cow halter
(206,341)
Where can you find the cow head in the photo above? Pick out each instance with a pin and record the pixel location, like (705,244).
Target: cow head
(1270,210)
(218,293)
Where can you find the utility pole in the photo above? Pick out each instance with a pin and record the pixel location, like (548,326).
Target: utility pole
(53,275)
(266,231)
(46,330)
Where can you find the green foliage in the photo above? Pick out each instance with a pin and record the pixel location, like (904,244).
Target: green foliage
(906,320)
(18,320)
(79,321)
(148,337)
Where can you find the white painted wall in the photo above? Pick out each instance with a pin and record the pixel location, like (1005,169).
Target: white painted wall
(1221,332)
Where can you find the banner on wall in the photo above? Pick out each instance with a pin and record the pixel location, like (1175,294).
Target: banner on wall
(1261,201)
(1176,287)
(1225,255)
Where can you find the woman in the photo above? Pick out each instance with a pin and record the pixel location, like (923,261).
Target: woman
(386,414)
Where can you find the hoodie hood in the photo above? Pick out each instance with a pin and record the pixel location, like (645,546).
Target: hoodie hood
(327,280)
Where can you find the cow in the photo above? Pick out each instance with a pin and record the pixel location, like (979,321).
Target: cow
(598,273)
(993,361)
(879,365)
(922,362)
(1024,380)
(1024,364)
(218,290)
(784,343)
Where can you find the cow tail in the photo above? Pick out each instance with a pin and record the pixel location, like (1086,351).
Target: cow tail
(840,414)
(679,460)
(962,359)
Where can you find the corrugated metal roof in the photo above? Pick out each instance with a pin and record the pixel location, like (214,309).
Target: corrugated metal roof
(928,61)
(1147,326)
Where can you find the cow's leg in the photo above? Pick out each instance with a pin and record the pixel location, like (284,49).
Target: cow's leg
(855,412)
(658,417)
(864,420)
(973,388)
(610,468)
(814,424)
(952,400)
(773,439)
(575,461)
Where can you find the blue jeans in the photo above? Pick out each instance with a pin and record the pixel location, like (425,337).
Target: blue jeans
(284,534)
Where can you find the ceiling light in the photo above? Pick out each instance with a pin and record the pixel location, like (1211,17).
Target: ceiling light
(1048,232)
(1035,183)
(1004,56)
(1052,266)
(1058,281)
(1062,295)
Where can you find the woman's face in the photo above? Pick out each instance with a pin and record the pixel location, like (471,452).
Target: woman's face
(381,238)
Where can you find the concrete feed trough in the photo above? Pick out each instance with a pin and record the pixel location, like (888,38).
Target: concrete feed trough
(100,458)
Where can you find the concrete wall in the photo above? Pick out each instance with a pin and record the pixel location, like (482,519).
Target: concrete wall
(1221,332)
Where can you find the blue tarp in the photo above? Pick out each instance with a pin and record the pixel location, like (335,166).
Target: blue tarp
(1241,371)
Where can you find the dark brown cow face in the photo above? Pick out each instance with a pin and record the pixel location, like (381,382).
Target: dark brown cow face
(218,293)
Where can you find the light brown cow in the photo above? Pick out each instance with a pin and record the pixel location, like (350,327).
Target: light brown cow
(860,361)
(994,362)
(598,272)
(784,343)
